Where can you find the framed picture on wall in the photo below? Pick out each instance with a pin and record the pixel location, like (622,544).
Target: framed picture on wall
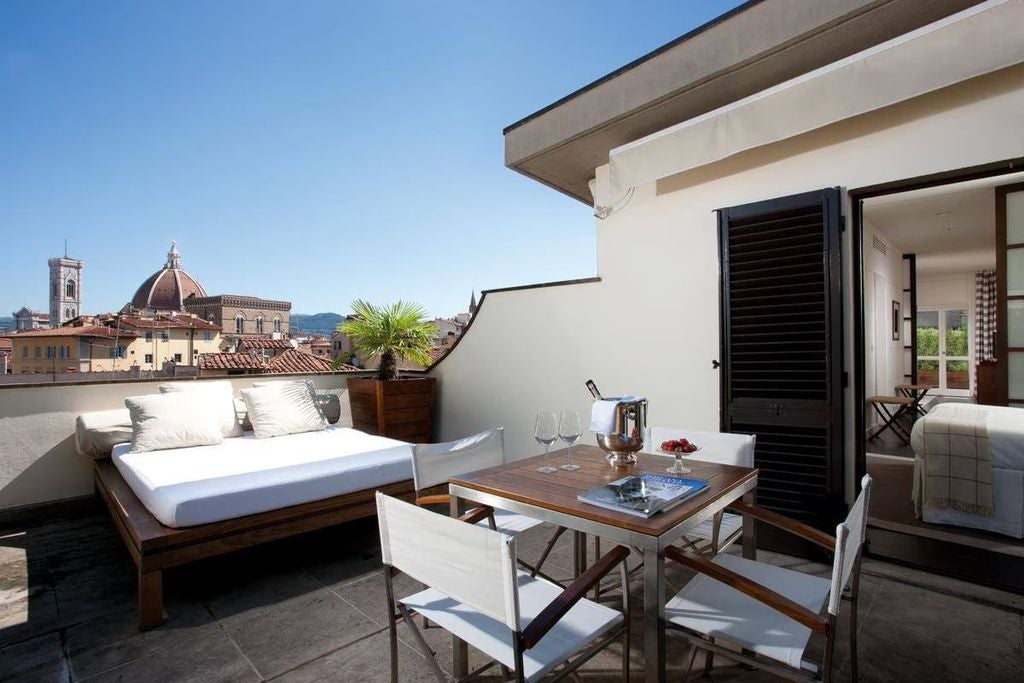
(897,320)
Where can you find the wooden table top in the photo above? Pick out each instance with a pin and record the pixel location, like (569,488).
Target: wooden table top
(522,482)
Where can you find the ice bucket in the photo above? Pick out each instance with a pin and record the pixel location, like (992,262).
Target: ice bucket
(628,435)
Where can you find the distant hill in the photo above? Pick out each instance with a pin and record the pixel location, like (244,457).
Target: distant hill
(315,323)
(6,322)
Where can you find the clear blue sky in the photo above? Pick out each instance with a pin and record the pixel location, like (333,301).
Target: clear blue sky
(309,151)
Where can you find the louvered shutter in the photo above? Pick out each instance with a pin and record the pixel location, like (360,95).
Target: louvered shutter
(782,348)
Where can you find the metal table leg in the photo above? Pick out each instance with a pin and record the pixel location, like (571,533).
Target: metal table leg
(579,553)
(749,529)
(460,653)
(654,616)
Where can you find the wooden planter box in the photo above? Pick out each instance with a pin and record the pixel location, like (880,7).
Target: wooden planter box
(400,408)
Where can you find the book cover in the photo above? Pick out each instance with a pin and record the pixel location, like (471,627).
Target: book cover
(645,494)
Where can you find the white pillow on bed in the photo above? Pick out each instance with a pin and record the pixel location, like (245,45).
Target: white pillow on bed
(178,420)
(280,408)
(218,395)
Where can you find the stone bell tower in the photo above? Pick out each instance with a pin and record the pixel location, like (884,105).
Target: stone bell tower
(65,289)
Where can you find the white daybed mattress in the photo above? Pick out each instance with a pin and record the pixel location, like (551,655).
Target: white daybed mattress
(245,475)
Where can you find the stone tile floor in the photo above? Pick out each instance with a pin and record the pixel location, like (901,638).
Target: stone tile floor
(312,609)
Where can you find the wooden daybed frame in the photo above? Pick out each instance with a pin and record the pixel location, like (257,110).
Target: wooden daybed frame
(155,547)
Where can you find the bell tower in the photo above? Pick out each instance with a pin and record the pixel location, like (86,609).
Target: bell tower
(65,289)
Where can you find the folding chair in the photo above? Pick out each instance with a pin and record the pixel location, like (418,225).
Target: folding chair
(890,418)
(768,613)
(724,529)
(474,591)
(435,463)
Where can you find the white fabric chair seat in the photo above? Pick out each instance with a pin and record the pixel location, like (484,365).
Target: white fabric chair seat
(511,523)
(730,524)
(585,622)
(710,607)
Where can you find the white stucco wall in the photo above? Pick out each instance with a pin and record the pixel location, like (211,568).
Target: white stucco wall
(38,460)
(651,325)
(883,284)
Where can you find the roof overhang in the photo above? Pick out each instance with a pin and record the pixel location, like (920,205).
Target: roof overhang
(760,45)
(957,48)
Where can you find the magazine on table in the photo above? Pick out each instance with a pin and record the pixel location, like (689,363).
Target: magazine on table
(644,495)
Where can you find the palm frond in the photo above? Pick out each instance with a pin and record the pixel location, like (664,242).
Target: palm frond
(400,328)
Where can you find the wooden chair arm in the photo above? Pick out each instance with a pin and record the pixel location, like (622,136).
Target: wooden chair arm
(786,524)
(476,514)
(812,620)
(438,499)
(572,594)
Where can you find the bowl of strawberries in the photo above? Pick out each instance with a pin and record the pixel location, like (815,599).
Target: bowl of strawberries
(679,448)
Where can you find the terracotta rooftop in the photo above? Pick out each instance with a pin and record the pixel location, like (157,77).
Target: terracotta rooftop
(297,361)
(231,361)
(6,344)
(287,362)
(89,331)
(264,343)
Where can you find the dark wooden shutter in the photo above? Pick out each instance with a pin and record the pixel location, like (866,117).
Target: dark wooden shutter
(782,350)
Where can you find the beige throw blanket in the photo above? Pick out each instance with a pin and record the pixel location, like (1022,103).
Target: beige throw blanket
(954,467)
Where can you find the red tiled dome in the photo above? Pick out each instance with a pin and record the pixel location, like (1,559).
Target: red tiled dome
(167,289)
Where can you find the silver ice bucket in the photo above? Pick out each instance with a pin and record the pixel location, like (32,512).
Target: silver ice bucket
(628,436)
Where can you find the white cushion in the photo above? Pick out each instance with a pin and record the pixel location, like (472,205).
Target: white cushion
(581,625)
(163,421)
(283,408)
(220,397)
(97,432)
(710,607)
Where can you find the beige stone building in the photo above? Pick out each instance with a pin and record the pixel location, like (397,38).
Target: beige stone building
(71,349)
(179,339)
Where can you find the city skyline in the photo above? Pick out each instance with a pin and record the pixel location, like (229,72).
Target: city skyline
(308,153)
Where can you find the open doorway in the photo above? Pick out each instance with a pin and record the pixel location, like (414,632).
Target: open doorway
(927,255)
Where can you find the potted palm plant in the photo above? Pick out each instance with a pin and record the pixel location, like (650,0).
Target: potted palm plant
(389,405)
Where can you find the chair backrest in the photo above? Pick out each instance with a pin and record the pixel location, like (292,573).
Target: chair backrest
(719,447)
(469,563)
(436,463)
(849,539)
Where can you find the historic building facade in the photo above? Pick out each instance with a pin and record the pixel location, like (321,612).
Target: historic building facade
(240,316)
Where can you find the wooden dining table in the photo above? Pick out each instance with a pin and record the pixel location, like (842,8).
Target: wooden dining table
(519,487)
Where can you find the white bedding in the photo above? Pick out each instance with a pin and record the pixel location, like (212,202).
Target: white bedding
(1006,447)
(245,475)
(1005,432)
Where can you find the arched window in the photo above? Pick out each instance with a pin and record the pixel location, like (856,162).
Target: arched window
(69,289)
(277,324)
(259,324)
(239,323)
(67,312)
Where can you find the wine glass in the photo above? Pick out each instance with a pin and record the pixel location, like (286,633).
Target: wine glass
(546,433)
(569,432)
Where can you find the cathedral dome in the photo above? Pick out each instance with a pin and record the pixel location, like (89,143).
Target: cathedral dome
(167,289)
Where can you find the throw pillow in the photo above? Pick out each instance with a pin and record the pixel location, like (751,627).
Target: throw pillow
(178,420)
(283,408)
(218,396)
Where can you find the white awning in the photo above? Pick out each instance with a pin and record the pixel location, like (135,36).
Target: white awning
(979,40)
